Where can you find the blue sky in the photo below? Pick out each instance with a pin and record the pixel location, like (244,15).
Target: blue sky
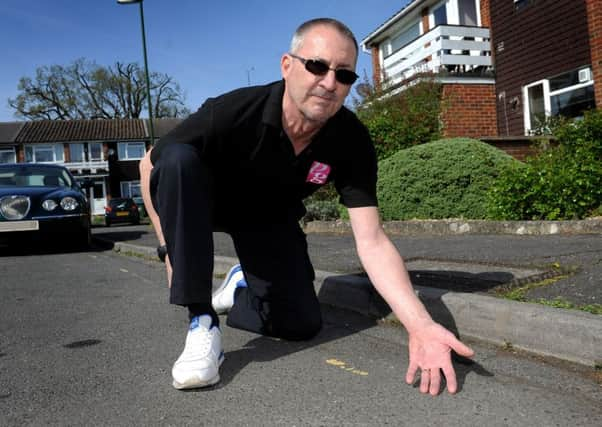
(208,47)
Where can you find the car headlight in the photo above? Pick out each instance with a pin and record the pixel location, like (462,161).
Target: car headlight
(14,207)
(69,203)
(49,204)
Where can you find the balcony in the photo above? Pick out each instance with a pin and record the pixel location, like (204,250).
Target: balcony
(446,51)
(93,167)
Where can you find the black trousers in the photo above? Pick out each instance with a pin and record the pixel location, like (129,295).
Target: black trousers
(280,299)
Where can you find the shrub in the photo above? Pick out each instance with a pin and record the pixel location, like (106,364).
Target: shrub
(323,205)
(404,119)
(321,210)
(563,182)
(449,178)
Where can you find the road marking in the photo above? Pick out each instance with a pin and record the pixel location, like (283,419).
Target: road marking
(342,365)
(123,270)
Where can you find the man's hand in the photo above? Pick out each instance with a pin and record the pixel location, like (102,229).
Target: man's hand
(430,351)
(169,270)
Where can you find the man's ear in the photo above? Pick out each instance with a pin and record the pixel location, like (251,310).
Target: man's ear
(285,65)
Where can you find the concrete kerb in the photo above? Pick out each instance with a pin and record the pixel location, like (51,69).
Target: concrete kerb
(459,226)
(564,334)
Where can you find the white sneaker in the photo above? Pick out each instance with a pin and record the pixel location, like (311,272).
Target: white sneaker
(198,365)
(223,297)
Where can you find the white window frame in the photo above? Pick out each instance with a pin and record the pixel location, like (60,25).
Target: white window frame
(11,150)
(126,188)
(448,13)
(83,152)
(126,146)
(546,102)
(388,46)
(547,97)
(477,10)
(46,147)
(90,158)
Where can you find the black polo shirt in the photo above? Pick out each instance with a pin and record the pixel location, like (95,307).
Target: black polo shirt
(257,175)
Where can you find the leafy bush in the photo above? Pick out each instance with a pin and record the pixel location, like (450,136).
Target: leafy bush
(449,178)
(563,182)
(321,210)
(323,205)
(404,119)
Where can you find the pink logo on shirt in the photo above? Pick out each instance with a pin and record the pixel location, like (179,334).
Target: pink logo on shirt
(318,173)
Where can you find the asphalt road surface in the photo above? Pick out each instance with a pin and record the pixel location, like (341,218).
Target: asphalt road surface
(89,339)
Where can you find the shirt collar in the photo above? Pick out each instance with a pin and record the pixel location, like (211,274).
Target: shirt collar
(272,113)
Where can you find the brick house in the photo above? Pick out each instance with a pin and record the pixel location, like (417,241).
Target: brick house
(105,151)
(505,65)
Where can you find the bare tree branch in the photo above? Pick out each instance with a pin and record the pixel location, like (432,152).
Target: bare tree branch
(85,90)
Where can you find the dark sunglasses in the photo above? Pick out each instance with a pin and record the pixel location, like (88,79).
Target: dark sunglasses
(320,68)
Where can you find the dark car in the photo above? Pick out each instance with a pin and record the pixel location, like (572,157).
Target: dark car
(42,200)
(140,203)
(122,210)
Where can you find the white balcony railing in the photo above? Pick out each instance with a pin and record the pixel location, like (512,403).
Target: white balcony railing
(444,49)
(93,166)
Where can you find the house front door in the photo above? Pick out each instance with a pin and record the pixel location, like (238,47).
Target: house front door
(98,199)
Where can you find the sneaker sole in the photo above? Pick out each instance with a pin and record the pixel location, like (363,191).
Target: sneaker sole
(221,287)
(200,384)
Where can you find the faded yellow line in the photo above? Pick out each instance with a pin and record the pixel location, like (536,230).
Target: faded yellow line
(342,365)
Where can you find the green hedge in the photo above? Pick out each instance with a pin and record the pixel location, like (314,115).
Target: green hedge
(563,182)
(449,178)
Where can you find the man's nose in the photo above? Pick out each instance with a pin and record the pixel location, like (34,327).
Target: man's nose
(329,81)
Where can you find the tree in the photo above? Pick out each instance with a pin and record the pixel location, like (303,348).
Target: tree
(85,90)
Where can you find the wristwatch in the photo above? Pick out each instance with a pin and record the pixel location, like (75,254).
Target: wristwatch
(162,252)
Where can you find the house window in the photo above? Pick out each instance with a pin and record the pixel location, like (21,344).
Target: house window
(404,38)
(131,150)
(440,16)
(568,94)
(81,152)
(130,189)
(7,155)
(76,152)
(94,151)
(468,12)
(44,153)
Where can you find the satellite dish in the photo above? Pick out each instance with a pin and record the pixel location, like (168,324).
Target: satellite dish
(364,90)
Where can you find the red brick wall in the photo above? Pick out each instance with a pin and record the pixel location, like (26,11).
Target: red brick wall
(469,110)
(594,26)
(518,147)
(485,15)
(376,78)
(424,13)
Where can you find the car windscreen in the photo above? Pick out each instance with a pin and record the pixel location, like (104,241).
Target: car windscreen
(121,203)
(34,177)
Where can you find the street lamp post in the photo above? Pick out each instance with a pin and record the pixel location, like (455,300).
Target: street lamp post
(148,95)
(249,75)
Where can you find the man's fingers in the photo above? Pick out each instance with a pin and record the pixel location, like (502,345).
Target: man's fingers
(411,374)
(425,379)
(460,348)
(435,381)
(169,271)
(450,378)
